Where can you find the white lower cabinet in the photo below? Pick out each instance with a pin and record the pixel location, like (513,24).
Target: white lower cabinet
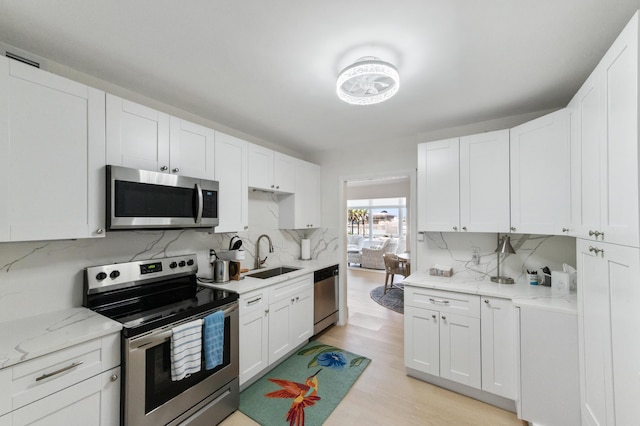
(609,319)
(79,385)
(549,376)
(273,322)
(442,334)
(498,337)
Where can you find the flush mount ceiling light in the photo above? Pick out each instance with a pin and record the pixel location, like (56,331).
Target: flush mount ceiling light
(368,81)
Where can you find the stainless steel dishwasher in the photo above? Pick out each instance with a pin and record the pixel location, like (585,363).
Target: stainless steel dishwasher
(325,294)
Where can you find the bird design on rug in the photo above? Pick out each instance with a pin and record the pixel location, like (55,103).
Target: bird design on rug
(297,391)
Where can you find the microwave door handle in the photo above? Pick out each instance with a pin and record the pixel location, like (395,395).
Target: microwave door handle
(200,203)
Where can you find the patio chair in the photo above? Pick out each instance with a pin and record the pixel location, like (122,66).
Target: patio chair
(392,267)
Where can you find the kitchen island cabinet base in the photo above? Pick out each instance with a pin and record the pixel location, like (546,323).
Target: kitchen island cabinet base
(480,395)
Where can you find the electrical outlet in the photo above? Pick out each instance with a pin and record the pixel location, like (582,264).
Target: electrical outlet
(475,255)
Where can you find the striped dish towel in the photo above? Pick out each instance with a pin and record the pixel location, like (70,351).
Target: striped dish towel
(186,348)
(213,339)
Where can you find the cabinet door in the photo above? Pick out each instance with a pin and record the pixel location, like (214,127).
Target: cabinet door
(191,150)
(261,168)
(549,376)
(624,275)
(52,166)
(484,182)
(460,349)
(439,186)
(79,405)
(302,317)
(540,175)
(301,210)
(595,333)
(498,336)
(137,136)
(422,340)
(279,329)
(254,343)
(587,134)
(284,172)
(619,154)
(231,173)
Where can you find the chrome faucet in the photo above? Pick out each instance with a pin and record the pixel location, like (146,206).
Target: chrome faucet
(259,262)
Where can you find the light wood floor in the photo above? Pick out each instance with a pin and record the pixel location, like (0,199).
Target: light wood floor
(384,394)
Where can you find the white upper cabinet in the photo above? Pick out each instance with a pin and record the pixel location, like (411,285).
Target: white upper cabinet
(231,164)
(301,210)
(463,184)
(604,133)
(52,156)
(484,182)
(137,136)
(144,138)
(270,170)
(439,186)
(541,175)
(191,149)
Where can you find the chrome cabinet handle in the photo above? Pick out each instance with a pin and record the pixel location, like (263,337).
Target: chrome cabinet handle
(486,301)
(266,311)
(464,228)
(164,168)
(99,231)
(596,233)
(433,316)
(176,170)
(278,187)
(62,370)
(113,378)
(565,229)
(273,186)
(444,318)
(596,250)
(513,228)
(256,300)
(444,302)
(455,228)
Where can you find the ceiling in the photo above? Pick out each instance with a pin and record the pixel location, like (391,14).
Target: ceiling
(268,68)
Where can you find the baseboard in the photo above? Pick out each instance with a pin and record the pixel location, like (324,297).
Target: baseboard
(480,395)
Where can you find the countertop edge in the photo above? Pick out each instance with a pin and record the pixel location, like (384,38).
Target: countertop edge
(32,337)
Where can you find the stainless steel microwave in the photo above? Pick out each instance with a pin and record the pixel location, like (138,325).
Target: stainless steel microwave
(142,199)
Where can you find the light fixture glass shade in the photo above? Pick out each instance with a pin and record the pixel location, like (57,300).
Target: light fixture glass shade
(368,81)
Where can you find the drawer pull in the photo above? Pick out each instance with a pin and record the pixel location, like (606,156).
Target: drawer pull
(256,300)
(443,302)
(62,370)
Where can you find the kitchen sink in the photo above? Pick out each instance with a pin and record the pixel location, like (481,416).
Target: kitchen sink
(274,272)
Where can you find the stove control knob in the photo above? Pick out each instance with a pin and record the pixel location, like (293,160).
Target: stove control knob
(114,274)
(173,265)
(190,262)
(101,276)
(182,263)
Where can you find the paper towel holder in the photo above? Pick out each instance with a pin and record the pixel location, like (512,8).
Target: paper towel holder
(305,249)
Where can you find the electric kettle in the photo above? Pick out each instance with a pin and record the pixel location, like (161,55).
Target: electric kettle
(221,270)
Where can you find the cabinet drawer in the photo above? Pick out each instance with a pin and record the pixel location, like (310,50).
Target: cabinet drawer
(288,288)
(443,301)
(253,301)
(35,379)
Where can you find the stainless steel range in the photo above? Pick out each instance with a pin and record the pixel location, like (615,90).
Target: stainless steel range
(150,298)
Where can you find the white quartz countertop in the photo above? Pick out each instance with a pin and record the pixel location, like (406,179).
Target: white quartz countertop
(248,284)
(521,293)
(39,335)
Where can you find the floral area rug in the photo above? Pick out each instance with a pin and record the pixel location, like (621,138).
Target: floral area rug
(305,388)
(393,299)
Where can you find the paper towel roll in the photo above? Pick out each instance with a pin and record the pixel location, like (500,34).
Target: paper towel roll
(305,249)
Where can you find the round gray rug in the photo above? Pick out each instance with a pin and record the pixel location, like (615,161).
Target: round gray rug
(394,299)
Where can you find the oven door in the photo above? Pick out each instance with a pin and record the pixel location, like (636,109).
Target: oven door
(150,396)
(142,199)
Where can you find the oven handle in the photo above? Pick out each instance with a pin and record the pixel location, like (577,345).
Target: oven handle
(159,336)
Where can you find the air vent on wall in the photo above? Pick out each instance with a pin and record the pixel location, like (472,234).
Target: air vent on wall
(22,59)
